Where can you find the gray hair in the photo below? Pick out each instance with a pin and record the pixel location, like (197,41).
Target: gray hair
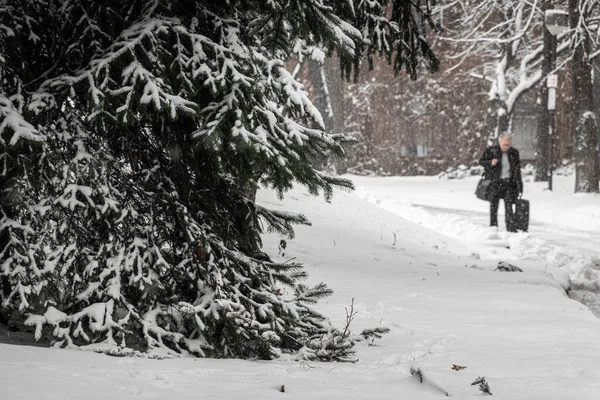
(505,135)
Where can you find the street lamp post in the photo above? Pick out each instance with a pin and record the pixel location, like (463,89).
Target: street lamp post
(552,83)
(557,22)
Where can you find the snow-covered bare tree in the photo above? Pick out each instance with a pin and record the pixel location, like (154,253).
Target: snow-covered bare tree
(506,37)
(132,136)
(515,30)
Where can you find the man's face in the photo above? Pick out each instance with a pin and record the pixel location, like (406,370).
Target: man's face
(504,143)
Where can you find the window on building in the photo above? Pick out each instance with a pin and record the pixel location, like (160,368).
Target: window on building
(415,150)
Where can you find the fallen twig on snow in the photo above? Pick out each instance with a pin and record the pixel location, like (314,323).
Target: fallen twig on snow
(504,266)
(426,380)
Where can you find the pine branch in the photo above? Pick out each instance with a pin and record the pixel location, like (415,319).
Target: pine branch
(280,221)
(483,385)
(374,333)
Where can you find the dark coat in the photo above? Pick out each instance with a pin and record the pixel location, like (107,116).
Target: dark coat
(493,173)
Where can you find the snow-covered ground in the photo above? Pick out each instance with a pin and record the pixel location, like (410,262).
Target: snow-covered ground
(418,258)
(564,228)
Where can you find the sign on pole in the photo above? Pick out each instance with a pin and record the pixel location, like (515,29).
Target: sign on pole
(551,98)
(552,81)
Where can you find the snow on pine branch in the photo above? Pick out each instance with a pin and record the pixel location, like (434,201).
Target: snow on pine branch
(301,49)
(335,29)
(140,74)
(281,221)
(231,67)
(98,314)
(136,229)
(130,75)
(13,123)
(272,128)
(291,91)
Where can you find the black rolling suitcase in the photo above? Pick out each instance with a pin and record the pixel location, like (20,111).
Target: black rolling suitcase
(522,215)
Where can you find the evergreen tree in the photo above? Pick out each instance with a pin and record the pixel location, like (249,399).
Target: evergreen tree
(132,136)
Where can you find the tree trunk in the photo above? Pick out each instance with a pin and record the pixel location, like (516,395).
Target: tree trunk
(499,120)
(336,86)
(542,137)
(596,74)
(322,101)
(504,119)
(586,140)
(498,113)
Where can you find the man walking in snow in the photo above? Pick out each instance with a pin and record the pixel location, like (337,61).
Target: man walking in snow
(503,168)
